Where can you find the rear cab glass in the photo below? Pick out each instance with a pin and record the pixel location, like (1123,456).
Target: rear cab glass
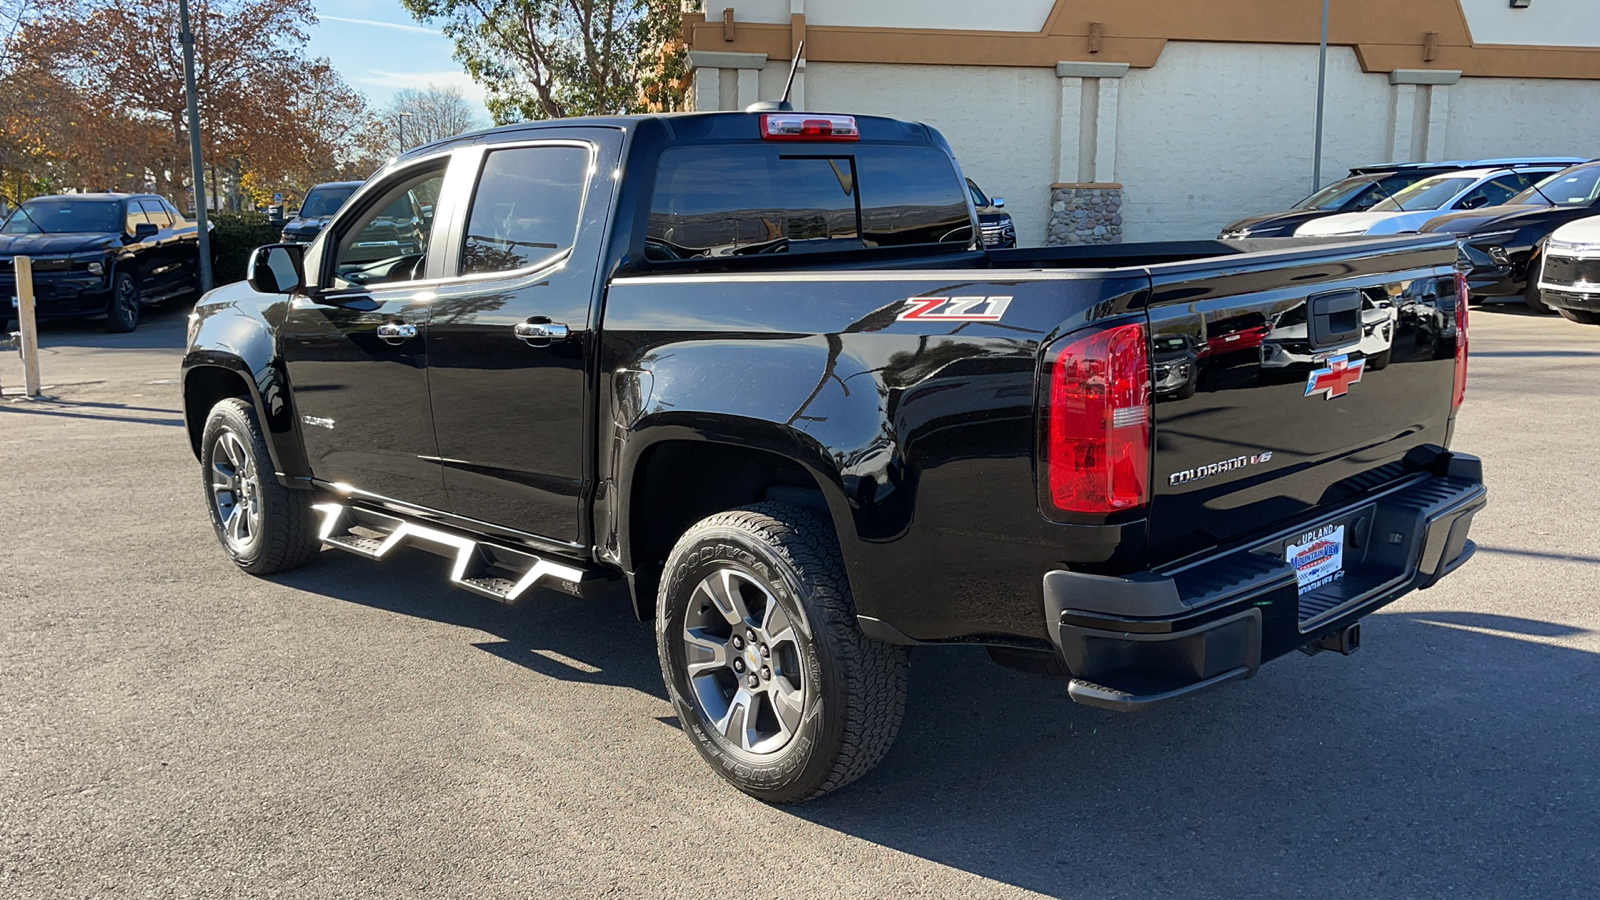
(735,200)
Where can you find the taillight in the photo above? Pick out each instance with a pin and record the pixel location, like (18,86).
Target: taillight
(808,127)
(1095,450)
(1461,340)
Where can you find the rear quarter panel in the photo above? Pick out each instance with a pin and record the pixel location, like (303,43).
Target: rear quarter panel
(920,433)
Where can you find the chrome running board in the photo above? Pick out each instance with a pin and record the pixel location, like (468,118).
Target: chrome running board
(491,570)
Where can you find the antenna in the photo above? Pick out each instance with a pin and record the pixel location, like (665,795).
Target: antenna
(782,105)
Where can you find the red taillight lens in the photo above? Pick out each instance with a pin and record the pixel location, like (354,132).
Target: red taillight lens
(1461,340)
(1096,446)
(809,127)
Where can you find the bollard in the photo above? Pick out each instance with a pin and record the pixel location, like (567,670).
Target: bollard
(29,328)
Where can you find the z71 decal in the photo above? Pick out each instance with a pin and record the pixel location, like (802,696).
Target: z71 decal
(954,309)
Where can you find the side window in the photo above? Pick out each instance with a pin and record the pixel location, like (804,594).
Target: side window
(388,240)
(154,212)
(1491,193)
(135,216)
(525,209)
(172,211)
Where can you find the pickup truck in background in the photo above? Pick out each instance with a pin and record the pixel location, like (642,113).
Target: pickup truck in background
(757,371)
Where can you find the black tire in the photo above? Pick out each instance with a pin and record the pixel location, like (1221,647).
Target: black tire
(1581,316)
(1185,392)
(1037,663)
(281,525)
(122,315)
(1380,361)
(1533,297)
(853,688)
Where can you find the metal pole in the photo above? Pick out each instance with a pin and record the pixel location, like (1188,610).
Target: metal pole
(28,324)
(1322,92)
(186,37)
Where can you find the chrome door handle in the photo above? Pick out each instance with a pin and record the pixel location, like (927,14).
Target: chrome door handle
(541,332)
(396,332)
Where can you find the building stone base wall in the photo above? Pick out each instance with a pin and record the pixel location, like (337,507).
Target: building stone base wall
(1085,214)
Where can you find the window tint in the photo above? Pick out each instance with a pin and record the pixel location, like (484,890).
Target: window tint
(135,216)
(525,210)
(911,196)
(748,200)
(154,212)
(1493,193)
(388,241)
(177,217)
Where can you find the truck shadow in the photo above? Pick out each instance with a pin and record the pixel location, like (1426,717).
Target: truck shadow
(1456,754)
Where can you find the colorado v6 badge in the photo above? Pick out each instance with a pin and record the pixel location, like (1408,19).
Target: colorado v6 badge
(1335,380)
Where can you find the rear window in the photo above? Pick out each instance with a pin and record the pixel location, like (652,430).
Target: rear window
(722,201)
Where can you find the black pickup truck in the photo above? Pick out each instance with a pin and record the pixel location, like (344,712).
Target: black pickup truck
(756,370)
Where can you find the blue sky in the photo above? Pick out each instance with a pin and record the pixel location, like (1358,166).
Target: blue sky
(379,49)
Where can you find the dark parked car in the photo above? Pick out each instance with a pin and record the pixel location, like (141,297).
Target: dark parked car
(1366,187)
(998,230)
(319,206)
(99,255)
(1504,243)
(1175,365)
(769,384)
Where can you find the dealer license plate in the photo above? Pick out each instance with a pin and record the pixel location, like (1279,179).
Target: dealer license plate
(1317,557)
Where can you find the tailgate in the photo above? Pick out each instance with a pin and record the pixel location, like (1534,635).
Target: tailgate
(1287,381)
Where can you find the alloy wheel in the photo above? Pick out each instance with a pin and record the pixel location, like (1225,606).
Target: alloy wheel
(235,491)
(742,656)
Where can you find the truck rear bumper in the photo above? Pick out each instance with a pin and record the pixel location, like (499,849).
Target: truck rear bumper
(1138,641)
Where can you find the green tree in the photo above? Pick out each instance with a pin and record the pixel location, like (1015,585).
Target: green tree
(547,59)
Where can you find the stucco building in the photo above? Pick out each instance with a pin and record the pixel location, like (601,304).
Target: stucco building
(1162,119)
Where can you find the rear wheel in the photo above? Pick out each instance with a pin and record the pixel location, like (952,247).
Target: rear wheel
(1583,316)
(123,314)
(770,676)
(264,526)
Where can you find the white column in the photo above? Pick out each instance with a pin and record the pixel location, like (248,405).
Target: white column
(1438,122)
(1424,120)
(1105,130)
(707,89)
(1402,118)
(749,87)
(711,62)
(1088,127)
(1071,124)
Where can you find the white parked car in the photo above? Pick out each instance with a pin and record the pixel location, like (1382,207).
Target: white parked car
(1570,278)
(1409,209)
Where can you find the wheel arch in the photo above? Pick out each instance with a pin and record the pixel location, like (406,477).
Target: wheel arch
(674,476)
(210,376)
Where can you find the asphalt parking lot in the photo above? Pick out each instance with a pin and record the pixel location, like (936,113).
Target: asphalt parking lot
(170,727)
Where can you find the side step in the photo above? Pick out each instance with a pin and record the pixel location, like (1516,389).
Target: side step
(492,570)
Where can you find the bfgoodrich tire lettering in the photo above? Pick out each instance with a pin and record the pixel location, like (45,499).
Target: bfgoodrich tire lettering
(264,526)
(853,687)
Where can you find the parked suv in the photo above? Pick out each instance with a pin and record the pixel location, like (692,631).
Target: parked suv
(1569,275)
(998,230)
(316,209)
(1503,243)
(99,255)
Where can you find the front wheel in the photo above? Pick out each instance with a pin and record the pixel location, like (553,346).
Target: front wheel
(264,526)
(1582,316)
(126,303)
(770,675)
(1533,297)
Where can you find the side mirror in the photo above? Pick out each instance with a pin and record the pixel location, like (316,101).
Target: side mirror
(999,202)
(144,231)
(277,269)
